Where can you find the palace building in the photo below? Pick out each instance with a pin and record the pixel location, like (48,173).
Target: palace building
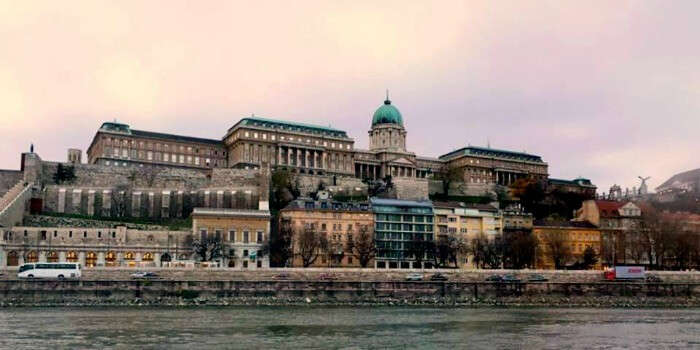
(255,142)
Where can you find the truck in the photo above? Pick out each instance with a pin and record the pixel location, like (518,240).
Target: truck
(625,273)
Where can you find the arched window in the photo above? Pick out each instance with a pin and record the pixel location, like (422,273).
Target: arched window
(72,256)
(147,257)
(165,257)
(90,259)
(52,257)
(31,257)
(129,256)
(12,258)
(111,259)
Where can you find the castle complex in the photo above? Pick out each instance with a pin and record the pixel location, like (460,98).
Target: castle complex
(255,142)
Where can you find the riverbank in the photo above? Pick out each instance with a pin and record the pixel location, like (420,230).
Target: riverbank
(15,293)
(515,302)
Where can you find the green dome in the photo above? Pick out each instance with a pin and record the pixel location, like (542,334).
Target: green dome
(387,114)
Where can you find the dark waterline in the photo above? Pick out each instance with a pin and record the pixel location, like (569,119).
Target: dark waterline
(348,328)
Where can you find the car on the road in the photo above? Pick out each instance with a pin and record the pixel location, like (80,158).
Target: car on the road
(438,277)
(510,278)
(282,276)
(144,274)
(327,277)
(494,278)
(537,278)
(653,279)
(414,277)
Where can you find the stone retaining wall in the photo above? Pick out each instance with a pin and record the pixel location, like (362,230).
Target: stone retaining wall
(27,292)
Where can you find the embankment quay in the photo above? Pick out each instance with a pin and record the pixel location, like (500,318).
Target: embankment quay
(187,287)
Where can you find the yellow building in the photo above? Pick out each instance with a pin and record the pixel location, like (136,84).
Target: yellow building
(563,244)
(466,221)
(242,233)
(340,223)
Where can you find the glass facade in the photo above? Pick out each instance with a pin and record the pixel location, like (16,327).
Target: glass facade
(400,228)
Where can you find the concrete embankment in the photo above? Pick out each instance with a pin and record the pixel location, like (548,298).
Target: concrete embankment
(342,292)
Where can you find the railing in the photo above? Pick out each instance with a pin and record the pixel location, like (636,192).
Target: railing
(9,200)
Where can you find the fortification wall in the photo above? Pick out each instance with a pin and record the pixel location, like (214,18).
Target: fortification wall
(339,185)
(9,178)
(149,192)
(411,188)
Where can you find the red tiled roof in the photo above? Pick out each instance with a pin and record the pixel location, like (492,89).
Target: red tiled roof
(608,209)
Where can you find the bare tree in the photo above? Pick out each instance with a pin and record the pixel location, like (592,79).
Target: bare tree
(207,248)
(363,246)
(559,249)
(120,200)
(478,248)
(310,245)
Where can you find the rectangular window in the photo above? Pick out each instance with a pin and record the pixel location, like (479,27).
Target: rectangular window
(245,253)
(245,236)
(217,233)
(182,159)
(149,155)
(203,233)
(260,237)
(43,235)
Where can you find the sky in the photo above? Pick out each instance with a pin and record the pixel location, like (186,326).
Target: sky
(607,90)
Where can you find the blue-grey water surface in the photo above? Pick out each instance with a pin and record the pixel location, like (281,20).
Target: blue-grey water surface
(348,328)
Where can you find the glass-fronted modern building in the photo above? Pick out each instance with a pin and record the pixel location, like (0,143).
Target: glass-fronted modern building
(403,232)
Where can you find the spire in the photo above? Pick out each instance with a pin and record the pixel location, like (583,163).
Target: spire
(387,101)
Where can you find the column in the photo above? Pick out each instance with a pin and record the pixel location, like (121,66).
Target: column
(279,155)
(136,204)
(91,203)
(77,194)
(62,256)
(100,258)
(219,199)
(289,156)
(165,204)
(106,202)
(151,204)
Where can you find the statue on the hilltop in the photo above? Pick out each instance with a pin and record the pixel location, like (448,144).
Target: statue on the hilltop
(31,148)
(643,187)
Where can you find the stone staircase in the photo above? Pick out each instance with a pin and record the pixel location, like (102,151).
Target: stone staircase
(13,203)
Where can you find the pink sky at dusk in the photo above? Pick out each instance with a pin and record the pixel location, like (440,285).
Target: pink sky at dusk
(602,89)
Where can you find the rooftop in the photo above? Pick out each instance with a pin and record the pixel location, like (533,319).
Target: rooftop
(157,135)
(570,224)
(231,212)
(125,129)
(326,204)
(493,153)
(400,203)
(454,204)
(575,182)
(290,126)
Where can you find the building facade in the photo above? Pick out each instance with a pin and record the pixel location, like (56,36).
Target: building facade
(493,166)
(618,223)
(116,144)
(101,247)
(242,234)
(465,222)
(566,242)
(340,223)
(401,229)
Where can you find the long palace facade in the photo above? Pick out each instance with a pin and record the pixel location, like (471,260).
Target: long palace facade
(309,149)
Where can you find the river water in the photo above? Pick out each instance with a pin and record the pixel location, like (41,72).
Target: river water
(317,327)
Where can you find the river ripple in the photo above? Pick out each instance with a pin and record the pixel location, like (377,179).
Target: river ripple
(348,328)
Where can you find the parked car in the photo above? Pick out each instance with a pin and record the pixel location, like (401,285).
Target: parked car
(281,276)
(414,277)
(653,279)
(509,278)
(327,277)
(438,277)
(494,278)
(144,274)
(537,278)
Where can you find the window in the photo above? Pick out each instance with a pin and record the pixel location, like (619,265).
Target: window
(84,234)
(245,236)
(203,233)
(43,235)
(218,234)
(245,253)
(232,235)
(182,159)
(245,264)
(260,237)
(99,234)
(259,263)
(114,234)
